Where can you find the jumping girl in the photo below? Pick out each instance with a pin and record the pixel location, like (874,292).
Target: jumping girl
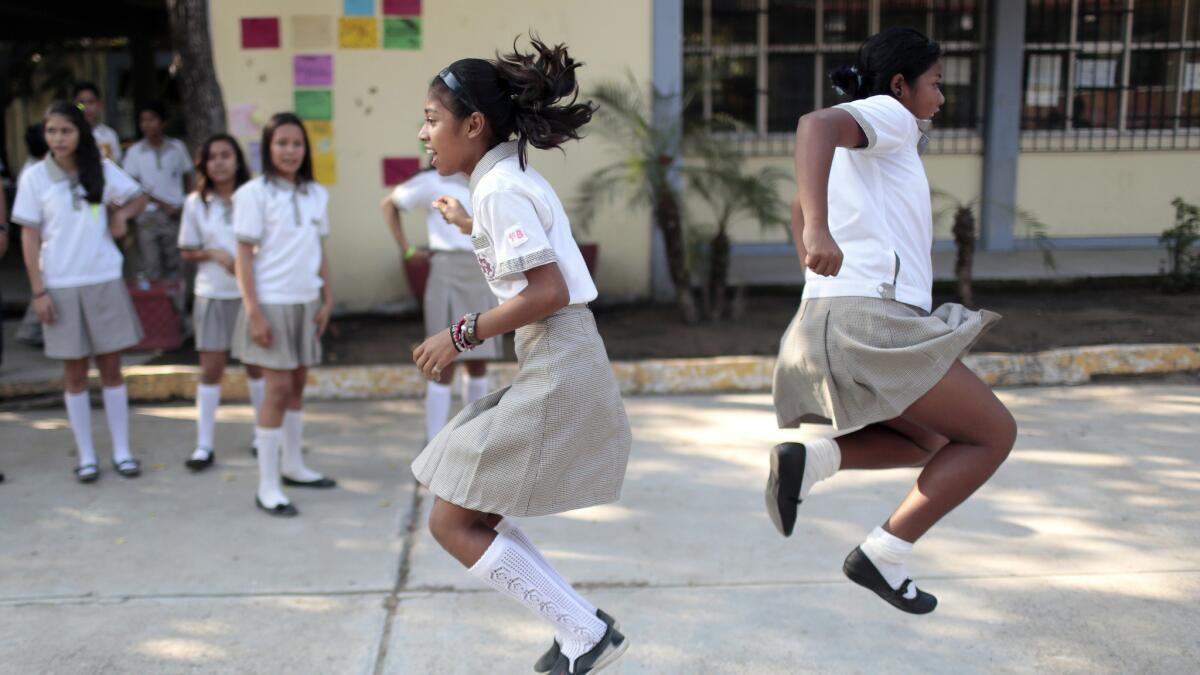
(557,439)
(864,349)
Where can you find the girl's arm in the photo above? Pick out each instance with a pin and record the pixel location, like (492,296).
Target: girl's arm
(118,222)
(31,247)
(326,310)
(260,330)
(219,255)
(391,215)
(817,135)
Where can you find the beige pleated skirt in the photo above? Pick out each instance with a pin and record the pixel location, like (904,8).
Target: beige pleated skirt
(214,320)
(457,287)
(555,440)
(89,320)
(294,341)
(853,361)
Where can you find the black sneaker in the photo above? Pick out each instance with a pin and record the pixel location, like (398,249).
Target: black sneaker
(606,652)
(783,485)
(859,569)
(548,659)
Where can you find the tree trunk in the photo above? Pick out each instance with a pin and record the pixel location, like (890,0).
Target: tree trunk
(718,273)
(964,243)
(667,217)
(203,103)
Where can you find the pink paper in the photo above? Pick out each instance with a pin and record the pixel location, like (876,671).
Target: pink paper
(313,70)
(396,170)
(401,7)
(260,32)
(241,120)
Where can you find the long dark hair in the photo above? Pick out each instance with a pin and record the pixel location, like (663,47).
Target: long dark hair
(35,140)
(204,184)
(884,55)
(519,93)
(87,156)
(305,173)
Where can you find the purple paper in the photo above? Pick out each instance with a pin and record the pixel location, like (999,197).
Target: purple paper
(313,70)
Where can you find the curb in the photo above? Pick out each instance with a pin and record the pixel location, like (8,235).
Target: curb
(656,376)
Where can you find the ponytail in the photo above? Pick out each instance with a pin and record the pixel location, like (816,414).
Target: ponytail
(890,52)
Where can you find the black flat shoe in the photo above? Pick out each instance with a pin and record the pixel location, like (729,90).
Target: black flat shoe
(783,485)
(129,468)
(859,569)
(201,464)
(88,473)
(606,652)
(282,510)
(548,659)
(320,483)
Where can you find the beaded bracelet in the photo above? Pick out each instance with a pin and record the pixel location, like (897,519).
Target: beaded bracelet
(458,336)
(471,338)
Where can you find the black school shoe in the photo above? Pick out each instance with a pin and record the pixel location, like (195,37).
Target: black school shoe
(201,464)
(606,652)
(281,510)
(783,485)
(546,663)
(859,569)
(320,483)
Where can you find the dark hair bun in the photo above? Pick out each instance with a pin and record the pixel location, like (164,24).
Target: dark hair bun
(847,80)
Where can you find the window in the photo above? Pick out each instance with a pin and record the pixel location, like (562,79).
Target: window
(755,66)
(1111,74)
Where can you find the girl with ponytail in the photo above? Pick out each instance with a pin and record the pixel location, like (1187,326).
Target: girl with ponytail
(865,350)
(557,439)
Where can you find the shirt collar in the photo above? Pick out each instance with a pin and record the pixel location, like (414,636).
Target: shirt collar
(53,170)
(490,159)
(281,184)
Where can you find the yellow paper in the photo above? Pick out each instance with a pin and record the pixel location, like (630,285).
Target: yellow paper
(358,32)
(312,31)
(320,139)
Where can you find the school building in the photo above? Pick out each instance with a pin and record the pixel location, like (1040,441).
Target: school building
(1082,113)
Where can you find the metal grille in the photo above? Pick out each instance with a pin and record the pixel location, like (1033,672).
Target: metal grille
(756,66)
(1110,75)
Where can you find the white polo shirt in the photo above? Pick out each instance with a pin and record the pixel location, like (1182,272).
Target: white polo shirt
(160,170)
(420,191)
(520,224)
(208,224)
(77,249)
(879,210)
(286,223)
(108,141)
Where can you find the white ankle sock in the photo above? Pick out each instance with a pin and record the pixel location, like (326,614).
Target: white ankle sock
(79,414)
(116,409)
(509,568)
(823,458)
(475,388)
(208,397)
(270,490)
(519,536)
(437,408)
(292,464)
(889,554)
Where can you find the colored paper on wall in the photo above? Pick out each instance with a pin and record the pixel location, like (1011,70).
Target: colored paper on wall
(358,32)
(254,156)
(241,120)
(358,7)
(396,170)
(312,31)
(320,138)
(402,33)
(401,7)
(313,70)
(260,32)
(314,104)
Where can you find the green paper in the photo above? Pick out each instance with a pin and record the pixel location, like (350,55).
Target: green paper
(314,104)
(402,32)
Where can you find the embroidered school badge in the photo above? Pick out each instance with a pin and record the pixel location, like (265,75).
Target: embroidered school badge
(486,266)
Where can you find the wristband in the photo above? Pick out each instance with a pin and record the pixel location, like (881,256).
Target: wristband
(410,252)
(38,295)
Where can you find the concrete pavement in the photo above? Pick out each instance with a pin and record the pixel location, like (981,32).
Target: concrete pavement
(1082,555)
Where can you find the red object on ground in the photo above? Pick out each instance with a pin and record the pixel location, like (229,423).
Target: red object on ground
(156,309)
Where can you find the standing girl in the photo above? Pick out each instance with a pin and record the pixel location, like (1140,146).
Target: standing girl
(206,239)
(280,220)
(557,439)
(73,204)
(864,349)
(455,285)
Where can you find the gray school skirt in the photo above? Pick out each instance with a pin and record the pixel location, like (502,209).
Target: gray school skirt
(214,320)
(89,320)
(855,361)
(555,440)
(456,287)
(294,341)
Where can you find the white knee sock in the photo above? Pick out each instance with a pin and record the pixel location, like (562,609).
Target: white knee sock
(270,490)
(116,409)
(208,398)
(823,458)
(889,554)
(437,408)
(292,465)
(475,388)
(79,414)
(509,568)
(519,536)
(258,391)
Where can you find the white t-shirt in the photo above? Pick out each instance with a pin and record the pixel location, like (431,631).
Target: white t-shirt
(520,224)
(77,249)
(286,223)
(160,170)
(879,210)
(419,192)
(108,142)
(208,224)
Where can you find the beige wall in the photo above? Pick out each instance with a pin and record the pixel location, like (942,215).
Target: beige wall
(612,38)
